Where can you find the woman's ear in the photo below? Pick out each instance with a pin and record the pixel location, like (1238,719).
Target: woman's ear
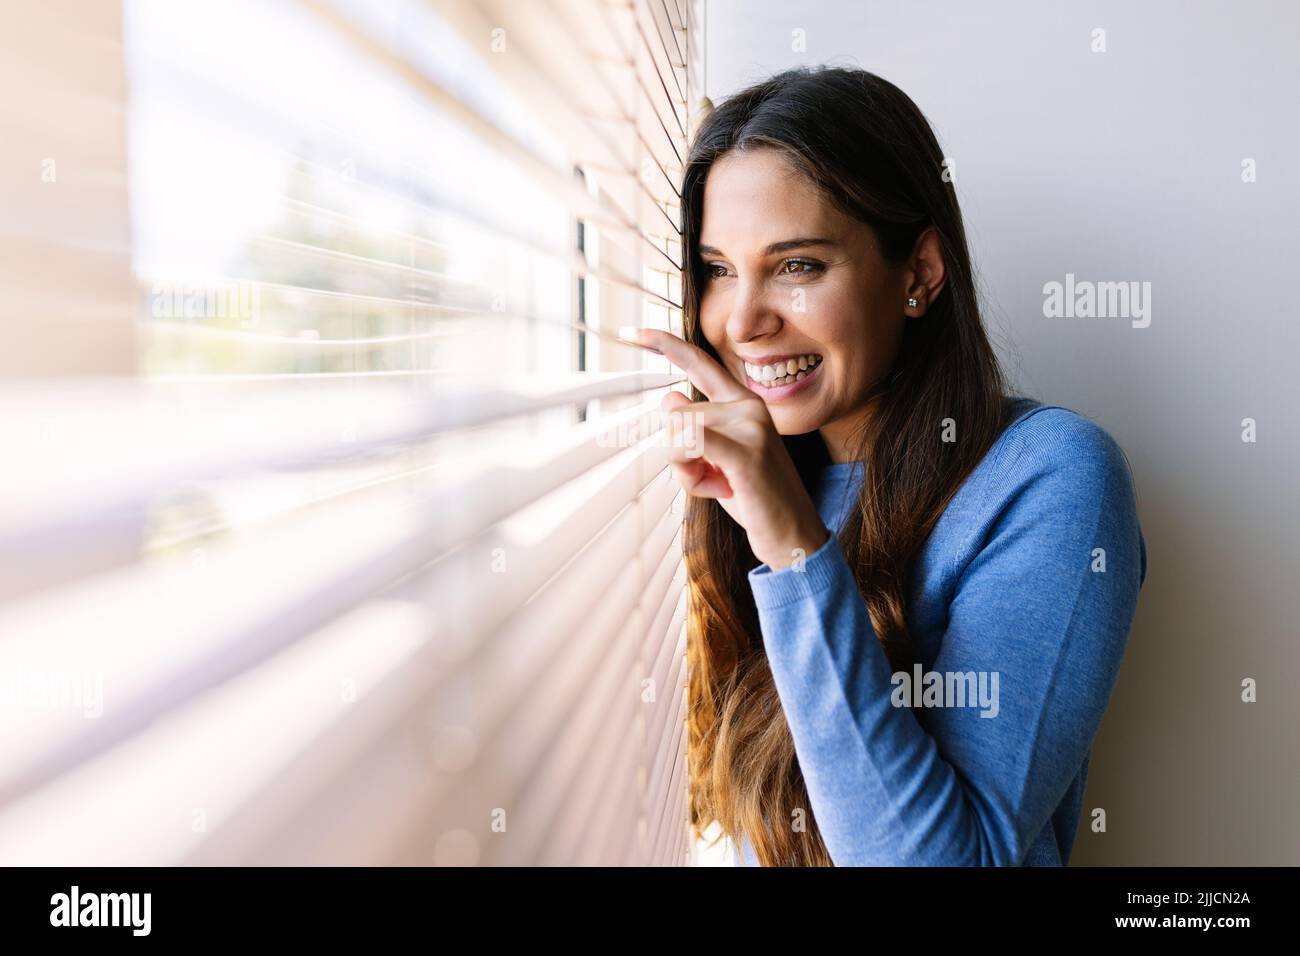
(925,274)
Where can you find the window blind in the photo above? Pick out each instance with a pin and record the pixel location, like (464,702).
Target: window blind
(63,196)
(375,558)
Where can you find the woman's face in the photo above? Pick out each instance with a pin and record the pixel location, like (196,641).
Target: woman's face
(789,278)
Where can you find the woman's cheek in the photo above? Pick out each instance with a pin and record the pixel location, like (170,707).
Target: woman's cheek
(712,317)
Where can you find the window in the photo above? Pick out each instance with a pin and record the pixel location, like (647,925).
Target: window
(371,555)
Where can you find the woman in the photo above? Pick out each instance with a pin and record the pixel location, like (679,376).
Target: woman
(922,684)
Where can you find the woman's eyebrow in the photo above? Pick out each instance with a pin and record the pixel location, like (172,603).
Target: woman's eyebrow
(785,245)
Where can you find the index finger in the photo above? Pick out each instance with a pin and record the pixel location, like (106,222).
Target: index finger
(705,373)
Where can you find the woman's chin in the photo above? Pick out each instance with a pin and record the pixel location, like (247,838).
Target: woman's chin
(789,422)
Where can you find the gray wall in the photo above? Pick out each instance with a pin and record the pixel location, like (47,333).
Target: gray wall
(1127,166)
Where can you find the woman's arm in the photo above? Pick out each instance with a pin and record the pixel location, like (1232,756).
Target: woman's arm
(966,789)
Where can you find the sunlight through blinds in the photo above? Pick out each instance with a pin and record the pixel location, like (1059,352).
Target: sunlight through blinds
(375,557)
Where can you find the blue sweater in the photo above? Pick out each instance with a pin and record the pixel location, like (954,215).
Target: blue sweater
(1012,602)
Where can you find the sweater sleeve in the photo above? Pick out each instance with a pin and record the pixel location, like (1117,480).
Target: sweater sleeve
(966,785)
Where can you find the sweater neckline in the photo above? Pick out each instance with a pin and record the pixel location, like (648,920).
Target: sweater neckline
(841,469)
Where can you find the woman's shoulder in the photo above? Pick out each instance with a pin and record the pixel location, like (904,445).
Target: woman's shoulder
(1053,472)
(1042,439)
(1055,467)
(1060,471)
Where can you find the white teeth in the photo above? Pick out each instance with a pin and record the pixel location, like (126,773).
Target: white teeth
(783,373)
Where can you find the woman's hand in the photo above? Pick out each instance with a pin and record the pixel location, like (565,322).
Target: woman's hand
(728,448)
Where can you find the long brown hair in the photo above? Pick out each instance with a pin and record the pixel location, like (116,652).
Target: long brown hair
(871,151)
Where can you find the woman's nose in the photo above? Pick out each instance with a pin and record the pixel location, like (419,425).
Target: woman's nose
(752,314)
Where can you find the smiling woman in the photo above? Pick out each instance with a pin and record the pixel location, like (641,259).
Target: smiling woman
(868,499)
(830,281)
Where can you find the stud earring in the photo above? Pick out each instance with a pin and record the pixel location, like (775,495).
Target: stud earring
(912,303)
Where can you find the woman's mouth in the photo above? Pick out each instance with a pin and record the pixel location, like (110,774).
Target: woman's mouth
(783,377)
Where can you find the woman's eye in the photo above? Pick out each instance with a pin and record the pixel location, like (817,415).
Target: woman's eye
(801,267)
(794,267)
